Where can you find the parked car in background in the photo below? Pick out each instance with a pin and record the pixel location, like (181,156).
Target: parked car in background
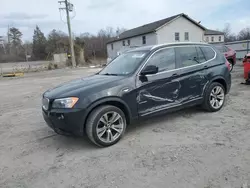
(139,83)
(229,53)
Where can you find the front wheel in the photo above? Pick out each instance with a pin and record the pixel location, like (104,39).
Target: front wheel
(214,98)
(106,125)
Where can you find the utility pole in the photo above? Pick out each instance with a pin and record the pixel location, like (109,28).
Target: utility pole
(68,8)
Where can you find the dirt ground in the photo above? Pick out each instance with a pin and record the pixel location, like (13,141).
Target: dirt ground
(189,148)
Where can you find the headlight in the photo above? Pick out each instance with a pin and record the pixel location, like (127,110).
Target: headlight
(65,102)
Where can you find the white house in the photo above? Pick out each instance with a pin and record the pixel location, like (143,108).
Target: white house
(213,36)
(178,28)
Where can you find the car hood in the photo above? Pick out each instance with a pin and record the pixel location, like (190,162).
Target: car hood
(73,87)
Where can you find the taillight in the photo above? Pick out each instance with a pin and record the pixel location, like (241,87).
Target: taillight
(228,65)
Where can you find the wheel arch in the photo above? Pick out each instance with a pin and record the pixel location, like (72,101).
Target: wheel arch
(220,80)
(114,101)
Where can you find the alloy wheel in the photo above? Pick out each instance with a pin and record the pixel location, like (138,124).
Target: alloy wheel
(110,127)
(217,97)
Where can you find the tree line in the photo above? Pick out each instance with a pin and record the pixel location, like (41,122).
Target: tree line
(43,48)
(244,34)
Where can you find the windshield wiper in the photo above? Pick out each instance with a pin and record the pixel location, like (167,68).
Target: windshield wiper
(110,74)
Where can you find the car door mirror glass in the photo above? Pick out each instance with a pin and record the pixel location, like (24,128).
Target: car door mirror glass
(150,69)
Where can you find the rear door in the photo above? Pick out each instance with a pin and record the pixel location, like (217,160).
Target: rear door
(192,64)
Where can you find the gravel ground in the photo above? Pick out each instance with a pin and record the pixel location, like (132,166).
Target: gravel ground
(189,148)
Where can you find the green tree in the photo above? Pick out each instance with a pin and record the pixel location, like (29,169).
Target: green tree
(39,44)
(57,42)
(15,37)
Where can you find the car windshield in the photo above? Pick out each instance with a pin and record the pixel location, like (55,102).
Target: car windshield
(124,64)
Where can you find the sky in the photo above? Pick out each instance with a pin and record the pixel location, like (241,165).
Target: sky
(93,15)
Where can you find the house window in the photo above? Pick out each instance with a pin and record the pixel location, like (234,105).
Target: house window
(212,39)
(128,42)
(219,38)
(186,36)
(144,40)
(112,46)
(177,36)
(123,43)
(207,39)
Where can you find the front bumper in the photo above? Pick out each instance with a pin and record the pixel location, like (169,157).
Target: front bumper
(65,121)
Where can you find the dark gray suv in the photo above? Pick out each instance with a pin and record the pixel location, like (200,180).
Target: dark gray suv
(139,83)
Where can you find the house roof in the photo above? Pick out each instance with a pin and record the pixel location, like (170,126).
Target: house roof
(152,27)
(213,32)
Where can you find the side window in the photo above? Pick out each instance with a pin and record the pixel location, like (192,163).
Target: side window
(128,42)
(144,40)
(186,36)
(177,36)
(208,52)
(163,59)
(201,57)
(187,56)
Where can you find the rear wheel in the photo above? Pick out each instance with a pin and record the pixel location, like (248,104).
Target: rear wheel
(214,98)
(106,125)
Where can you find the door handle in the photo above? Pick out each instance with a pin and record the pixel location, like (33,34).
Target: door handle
(205,67)
(175,74)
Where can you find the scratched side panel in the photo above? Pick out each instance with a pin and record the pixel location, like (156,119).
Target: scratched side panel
(158,92)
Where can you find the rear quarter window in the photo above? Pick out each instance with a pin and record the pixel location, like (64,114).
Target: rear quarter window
(208,52)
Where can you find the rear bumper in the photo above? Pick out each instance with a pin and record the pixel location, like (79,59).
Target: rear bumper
(65,121)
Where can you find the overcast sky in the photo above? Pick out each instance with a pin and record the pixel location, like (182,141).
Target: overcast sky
(92,15)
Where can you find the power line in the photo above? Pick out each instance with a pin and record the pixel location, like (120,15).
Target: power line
(69,8)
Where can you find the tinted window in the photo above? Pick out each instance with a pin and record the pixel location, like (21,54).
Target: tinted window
(208,52)
(201,57)
(163,59)
(187,56)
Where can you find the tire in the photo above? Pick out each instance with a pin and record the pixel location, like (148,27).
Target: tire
(231,65)
(100,121)
(211,94)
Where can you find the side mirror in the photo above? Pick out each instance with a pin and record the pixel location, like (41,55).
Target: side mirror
(150,69)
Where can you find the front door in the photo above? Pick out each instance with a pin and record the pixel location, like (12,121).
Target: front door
(159,91)
(193,73)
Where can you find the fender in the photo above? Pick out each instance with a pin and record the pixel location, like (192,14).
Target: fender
(105,100)
(212,80)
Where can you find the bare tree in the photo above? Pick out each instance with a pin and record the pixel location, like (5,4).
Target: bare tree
(229,36)
(244,34)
